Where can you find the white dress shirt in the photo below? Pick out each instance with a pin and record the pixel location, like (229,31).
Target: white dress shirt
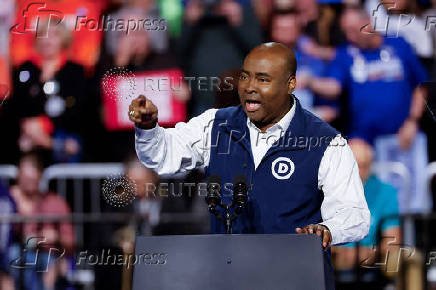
(187,146)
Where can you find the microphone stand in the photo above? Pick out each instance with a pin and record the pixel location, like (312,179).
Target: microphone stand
(228,218)
(239,200)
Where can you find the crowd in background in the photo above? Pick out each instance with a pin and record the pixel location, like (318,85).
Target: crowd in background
(365,67)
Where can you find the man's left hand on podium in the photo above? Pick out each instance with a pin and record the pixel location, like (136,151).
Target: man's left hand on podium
(319,230)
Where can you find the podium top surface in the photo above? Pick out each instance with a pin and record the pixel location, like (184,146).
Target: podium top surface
(240,262)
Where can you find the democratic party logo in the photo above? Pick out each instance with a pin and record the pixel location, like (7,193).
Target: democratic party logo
(282,168)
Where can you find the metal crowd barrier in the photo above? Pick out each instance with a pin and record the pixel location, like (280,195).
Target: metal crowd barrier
(83,275)
(418,240)
(96,172)
(81,183)
(419,251)
(79,172)
(382,169)
(103,170)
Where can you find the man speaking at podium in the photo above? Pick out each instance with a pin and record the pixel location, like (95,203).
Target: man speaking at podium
(302,173)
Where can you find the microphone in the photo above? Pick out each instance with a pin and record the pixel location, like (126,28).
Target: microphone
(240,192)
(213,197)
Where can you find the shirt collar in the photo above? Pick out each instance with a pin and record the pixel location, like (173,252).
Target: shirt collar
(283,124)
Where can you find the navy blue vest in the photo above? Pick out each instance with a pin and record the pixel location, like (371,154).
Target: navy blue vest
(284,190)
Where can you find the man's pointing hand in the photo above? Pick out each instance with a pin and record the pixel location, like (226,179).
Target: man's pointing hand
(143,113)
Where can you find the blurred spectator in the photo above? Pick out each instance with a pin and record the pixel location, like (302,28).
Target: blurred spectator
(215,38)
(6,18)
(263,9)
(283,4)
(134,52)
(172,12)
(48,99)
(286,28)
(121,237)
(147,201)
(6,282)
(308,11)
(5,127)
(60,235)
(5,78)
(382,203)
(226,95)
(6,12)
(80,17)
(381,77)
(321,24)
(138,11)
(7,207)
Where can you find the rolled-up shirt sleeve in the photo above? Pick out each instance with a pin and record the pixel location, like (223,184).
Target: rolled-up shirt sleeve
(344,209)
(176,150)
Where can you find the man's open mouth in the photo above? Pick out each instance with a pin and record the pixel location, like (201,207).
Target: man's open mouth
(251,105)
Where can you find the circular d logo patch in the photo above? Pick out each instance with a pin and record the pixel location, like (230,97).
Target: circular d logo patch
(282,168)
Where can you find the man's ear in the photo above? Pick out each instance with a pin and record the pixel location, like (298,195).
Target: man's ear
(292,83)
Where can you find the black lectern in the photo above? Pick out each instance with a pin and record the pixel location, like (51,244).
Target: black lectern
(229,262)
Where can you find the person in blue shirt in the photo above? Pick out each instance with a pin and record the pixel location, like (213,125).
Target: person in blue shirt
(380,77)
(383,205)
(287,28)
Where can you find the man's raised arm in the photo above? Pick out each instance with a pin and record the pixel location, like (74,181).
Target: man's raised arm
(173,150)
